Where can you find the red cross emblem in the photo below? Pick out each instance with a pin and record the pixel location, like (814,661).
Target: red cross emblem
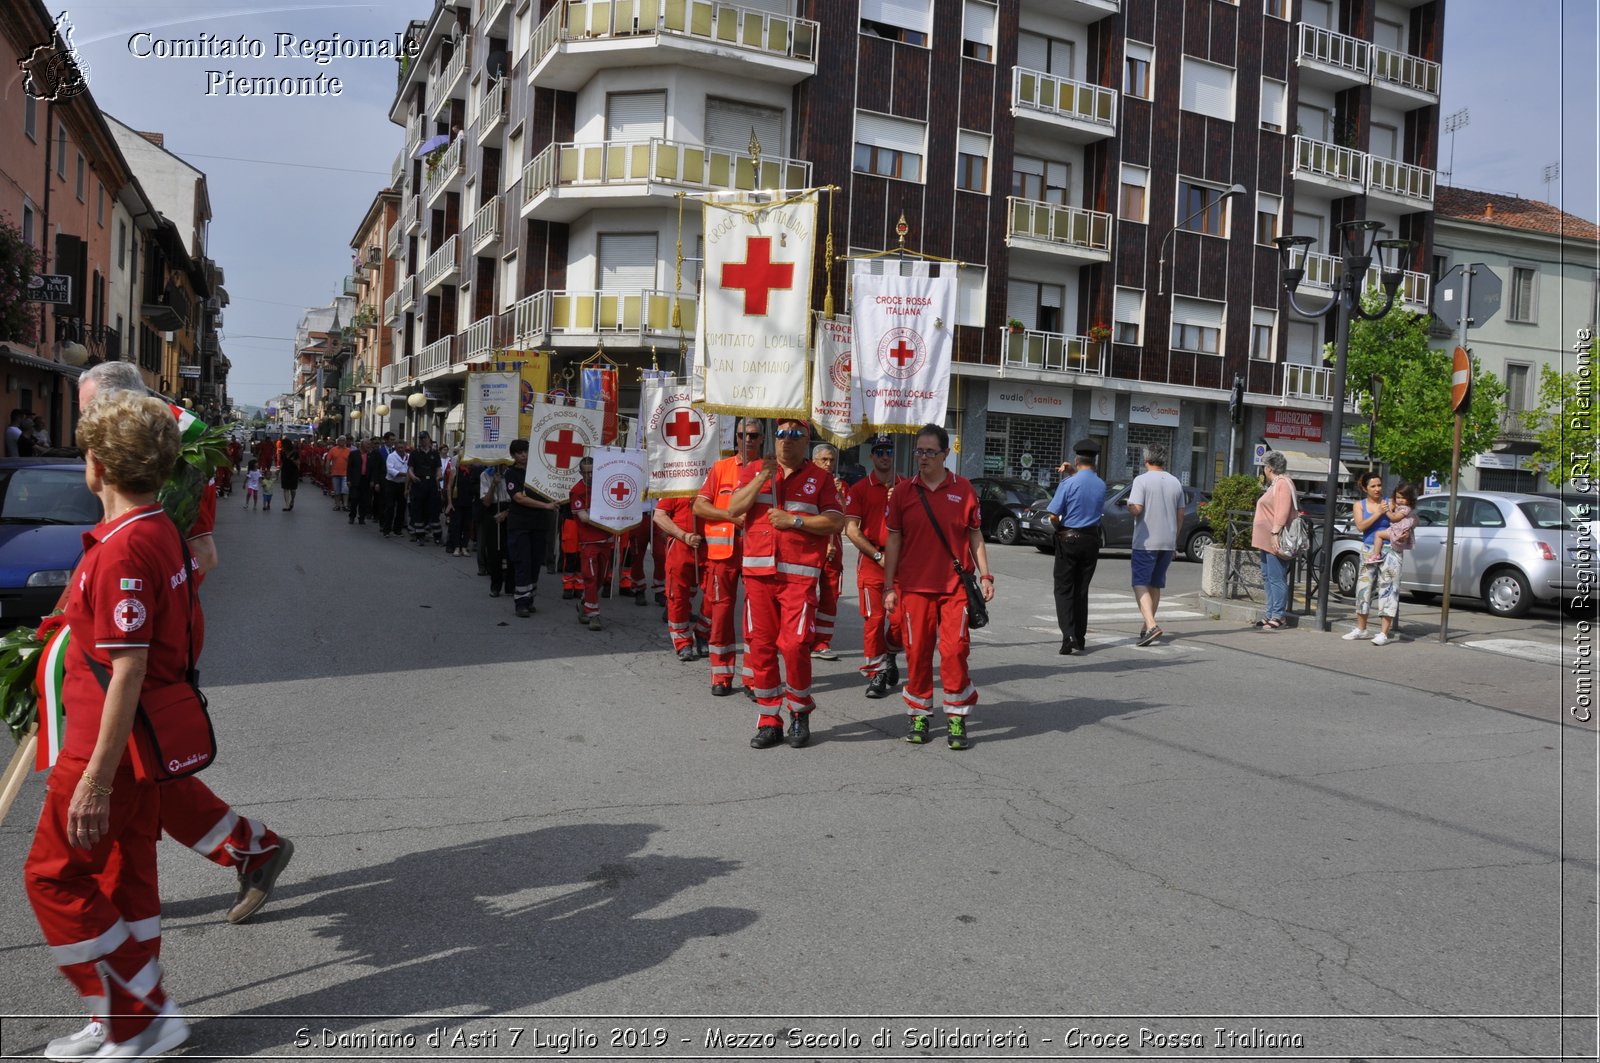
(564,448)
(128,615)
(620,490)
(902,352)
(758,275)
(683,429)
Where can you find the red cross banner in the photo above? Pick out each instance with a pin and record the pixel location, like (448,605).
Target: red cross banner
(559,437)
(904,335)
(756,307)
(492,417)
(835,394)
(617,501)
(681,440)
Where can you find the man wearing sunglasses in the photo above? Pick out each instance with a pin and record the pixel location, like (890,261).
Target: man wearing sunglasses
(865,515)
(792,511)
(720,587)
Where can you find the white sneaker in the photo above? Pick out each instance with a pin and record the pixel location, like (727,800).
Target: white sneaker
(1380,639)
(1357,633)
(167,1032)
(81,1045)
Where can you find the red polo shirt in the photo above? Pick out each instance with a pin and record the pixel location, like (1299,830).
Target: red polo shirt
(869,503)
(680,511)
(130,592)
(587,533)
(925,565)
(787,552)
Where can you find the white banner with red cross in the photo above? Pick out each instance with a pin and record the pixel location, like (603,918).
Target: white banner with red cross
(835,394)
(559,437)
(756,307)
(617,501)
(904,337)
(682,441)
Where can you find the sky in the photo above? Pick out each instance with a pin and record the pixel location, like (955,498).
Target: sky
(290,178)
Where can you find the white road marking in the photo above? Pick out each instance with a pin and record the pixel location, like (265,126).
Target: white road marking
(1522,649)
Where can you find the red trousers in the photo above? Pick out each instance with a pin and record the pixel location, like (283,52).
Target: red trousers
(828,602)
(780,616)
(658,557)
(596,569)
(194,816)
(634,548)
(99,908)
(720,592)
(930,620)
(882,635)
(682,622)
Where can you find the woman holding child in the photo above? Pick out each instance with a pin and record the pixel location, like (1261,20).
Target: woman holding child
(1385,526)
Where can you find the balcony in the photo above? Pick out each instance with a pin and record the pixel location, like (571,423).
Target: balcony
(1400,182)
(386,376)
(444,172)
(391,308)
(1086,11)
(1053,352)
(1074,110)
(1333,60)
(1402,80)
(413,134)
(408,292)
(408,215)
(478,340)
(490,12)
(436,357)
(399,169)
(169,312)
(578,318)
(579,39)
(405,369)
(1329,165)
(443,89)
(493,112)
(397,247)
(443,265)
(484,229)
(1513,429)
(1072,232)
(1323,271)
(567,180)
(1301,382)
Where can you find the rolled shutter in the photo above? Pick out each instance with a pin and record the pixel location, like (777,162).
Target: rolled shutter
(627,262)
(978,23)
(884,131)
(1207,89)
(1033,51)
(1130,305)
(914,15)
(1022,302)
(728,125)
(1274,101)
(1200,312)
(636,115)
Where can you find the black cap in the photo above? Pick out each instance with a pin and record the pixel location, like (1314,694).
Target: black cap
(880,441)
(1086,448)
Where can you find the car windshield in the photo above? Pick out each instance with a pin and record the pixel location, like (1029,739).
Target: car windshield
(1580,510)
(1545,513)
(46,495)
(1029,493)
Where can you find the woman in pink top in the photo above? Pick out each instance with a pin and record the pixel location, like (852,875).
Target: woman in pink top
(1274,509)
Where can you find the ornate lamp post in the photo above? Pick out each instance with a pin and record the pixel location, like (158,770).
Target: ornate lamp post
(1356,238)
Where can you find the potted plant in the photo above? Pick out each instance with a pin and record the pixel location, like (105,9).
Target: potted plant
(1100,333)
(1014,325)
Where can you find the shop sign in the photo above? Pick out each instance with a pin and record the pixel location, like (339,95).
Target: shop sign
(1294,424)
(1163,413)
(1035,400)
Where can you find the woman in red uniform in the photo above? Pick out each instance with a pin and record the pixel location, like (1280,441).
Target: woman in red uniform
(91,875)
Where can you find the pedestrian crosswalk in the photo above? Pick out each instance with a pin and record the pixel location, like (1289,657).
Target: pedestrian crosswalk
(1522,649)
(1107,608)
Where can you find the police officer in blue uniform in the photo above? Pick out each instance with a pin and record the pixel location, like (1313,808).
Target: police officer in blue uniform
(1075,510)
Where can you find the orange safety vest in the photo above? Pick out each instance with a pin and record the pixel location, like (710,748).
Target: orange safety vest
(722,537)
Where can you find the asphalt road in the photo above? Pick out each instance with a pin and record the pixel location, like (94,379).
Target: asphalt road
(1378,851)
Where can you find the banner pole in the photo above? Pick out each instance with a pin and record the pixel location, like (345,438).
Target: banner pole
(17,771)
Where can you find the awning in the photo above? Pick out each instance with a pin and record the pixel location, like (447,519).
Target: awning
(1309,461)
(456,419)
(34,362)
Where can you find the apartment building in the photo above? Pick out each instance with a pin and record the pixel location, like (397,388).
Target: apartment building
(1112,182)
(1548,263)
(376,273)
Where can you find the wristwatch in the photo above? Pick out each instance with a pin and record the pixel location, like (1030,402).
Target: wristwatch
(799,521)
(878,557)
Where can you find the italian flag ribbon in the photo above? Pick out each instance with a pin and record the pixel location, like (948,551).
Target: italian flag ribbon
(190,427)
(52,710)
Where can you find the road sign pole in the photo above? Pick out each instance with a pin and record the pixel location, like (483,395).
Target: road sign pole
(1455,459)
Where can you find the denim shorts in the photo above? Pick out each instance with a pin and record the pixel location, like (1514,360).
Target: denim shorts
(1150,567)
(340,485)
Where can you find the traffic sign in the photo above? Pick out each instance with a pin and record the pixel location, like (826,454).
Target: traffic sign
(1460,380)
(1431,482)
(1483,302)
(50,288)
(1261,453)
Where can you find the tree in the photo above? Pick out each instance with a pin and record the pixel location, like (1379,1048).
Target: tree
(19,319)
(1565,424)
(1415,422)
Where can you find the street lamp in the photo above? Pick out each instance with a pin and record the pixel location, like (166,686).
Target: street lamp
(1161,270)
(1346,303)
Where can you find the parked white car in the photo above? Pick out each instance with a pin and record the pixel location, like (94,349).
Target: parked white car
(1512,550)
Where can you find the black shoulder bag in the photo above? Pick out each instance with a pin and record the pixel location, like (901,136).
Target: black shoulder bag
(977,608)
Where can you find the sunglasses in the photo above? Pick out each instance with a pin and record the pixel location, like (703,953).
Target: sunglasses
(790,433)
(882,450)
(751,435)
(923,452)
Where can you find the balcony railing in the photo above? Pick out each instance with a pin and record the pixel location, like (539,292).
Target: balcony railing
(386,376)
(436,355)
(1399,179)
(549,314)
(405,369)
(1336,49)
(1332,161)
(408,215)
(1032,90)
(1323,271)
(443,89)
(1512,427)
(645,162)
(1056,224)
(1405,70)
(391,306)
(441,263)
(408,292)
(1053,352)
(413,134)
(444,171)
(494,109)
(396,247)
(478,339)
(485,225)
(1308,382)
(399,168)
(658,320)
(728,25)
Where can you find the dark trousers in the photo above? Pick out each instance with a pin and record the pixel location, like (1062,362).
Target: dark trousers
(456,535)
(494,552)
(393,515)
(360,499)
(1076,558)
(527,554)
(425,506)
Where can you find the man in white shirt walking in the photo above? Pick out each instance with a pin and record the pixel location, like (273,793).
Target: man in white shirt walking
(1155,501)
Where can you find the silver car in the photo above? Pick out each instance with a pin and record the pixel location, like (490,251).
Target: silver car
(1512,550)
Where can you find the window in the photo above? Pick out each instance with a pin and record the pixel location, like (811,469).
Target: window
(1135,184)
(30,117)
(1524,295)
(636,115)
(1307,224)
(1196,325)
(906,21)
(1274,104)
(100,205)
(1516,386)
(1040,179)
(1207,89)
(520,33)
(1136,70)
(1201,208)
(1441,266)
(1318,13)
(1127,319)
(972,161)
(729,124)
(1262,324)
(61,152)
(972,295)
(27,224)
(1311,121)
(1277,8)
(1387,34)
(1304,346)
(79,182)
(889,147)
(978,22)
(1268,210)
(1037,306)
(1048,55)
(1385,141)
(122,245)
(508,281)
(627,262)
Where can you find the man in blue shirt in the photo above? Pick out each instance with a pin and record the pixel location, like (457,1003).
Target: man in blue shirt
(1079,501)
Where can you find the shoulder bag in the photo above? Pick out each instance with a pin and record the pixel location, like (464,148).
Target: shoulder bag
(977,608)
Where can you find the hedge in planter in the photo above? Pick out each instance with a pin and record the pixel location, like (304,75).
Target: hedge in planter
(1231,493)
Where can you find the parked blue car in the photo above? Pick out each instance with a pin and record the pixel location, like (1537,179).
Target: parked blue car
(45,507)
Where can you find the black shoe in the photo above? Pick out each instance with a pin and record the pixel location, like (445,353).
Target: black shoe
(524,610)
(894,672)
(766,737)
(701,648)
(567,594)
(640,600)
(661,597)
(1066,648)
(1077,644)
(721,690)
(686,655)
(799,730)
(494,593)
(880,687)
(751,694)
(363,523)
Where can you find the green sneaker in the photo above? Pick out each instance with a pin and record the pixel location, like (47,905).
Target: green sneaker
(957,736)
(919,729)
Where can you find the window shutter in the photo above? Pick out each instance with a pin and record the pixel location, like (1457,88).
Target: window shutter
(636,115)
(883,131)
(1130,305)
(969,143)
(907,14)
(1022,302)
(770,7)
(627,262)
(1033,52)
(971,288)
(1200,312)
(728,125)
(1207,89)
(978,22)
(1274,102)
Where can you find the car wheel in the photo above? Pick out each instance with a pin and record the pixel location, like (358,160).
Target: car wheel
(1424,597)
(1506,593)
(1345,573)
(1007,530)
(1199,542)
